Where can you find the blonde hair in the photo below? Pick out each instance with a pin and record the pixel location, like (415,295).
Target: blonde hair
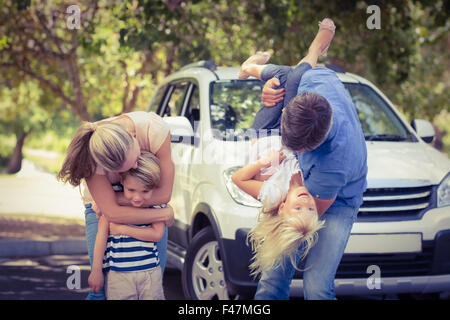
(277,237)
(105,144)
(147,171)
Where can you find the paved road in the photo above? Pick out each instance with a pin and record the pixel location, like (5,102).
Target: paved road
(45,278)
(34,191)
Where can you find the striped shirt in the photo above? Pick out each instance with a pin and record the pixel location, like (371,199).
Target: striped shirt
(124,253)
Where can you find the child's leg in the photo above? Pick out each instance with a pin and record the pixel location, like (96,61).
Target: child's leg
(321,42)
(254,65)
(269,117)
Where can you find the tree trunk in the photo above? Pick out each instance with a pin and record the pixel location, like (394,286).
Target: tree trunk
(15,163)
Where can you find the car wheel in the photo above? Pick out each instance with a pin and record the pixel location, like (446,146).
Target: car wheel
(203,276)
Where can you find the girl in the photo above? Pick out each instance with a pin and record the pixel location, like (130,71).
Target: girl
(131,253)
(289,217)
(99,152)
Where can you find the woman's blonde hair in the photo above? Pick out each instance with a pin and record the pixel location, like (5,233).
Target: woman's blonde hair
(105,144)
(277,237)
(147,171)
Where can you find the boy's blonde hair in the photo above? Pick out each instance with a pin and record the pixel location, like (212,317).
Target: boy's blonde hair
(277,237)
(147,171)
(104,144)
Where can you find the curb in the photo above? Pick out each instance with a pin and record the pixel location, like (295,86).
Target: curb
(13,248)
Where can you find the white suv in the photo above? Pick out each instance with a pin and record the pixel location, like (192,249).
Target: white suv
(400,242)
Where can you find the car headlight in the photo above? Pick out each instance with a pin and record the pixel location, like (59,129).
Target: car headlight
(236,193)
(443,192)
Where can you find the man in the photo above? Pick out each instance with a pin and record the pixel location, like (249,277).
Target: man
(322,126)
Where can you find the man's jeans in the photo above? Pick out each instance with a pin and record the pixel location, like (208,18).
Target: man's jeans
(321,264)
(91,234)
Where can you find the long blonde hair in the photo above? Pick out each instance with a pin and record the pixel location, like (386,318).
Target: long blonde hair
(147,171)
(276,237)
(105,144)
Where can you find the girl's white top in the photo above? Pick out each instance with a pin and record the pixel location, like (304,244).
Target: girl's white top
(275,189)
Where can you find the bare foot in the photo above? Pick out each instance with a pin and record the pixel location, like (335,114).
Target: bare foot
(258,58)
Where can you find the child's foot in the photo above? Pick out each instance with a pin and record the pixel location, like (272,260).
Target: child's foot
(327,24)
(258,58)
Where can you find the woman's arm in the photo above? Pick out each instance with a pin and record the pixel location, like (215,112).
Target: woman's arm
(163,192)
(103,195)
(96,279)
(153,233)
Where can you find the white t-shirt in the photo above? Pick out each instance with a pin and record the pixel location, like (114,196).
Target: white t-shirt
(275,189)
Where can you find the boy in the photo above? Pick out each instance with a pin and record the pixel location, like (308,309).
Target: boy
(131,254)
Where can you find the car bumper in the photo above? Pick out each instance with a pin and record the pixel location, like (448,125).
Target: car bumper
(422,272)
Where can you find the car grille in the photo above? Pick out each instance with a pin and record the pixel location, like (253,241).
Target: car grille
(395,203)
(391,265)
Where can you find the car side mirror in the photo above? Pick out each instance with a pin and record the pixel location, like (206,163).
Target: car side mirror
(180,129)
(424,129)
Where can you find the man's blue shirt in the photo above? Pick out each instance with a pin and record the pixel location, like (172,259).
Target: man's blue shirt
(338,167)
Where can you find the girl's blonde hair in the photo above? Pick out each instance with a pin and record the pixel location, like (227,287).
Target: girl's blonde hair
(147,171)
(105,144)
(277,237)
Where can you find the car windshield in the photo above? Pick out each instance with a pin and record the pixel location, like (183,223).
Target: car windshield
(234,104)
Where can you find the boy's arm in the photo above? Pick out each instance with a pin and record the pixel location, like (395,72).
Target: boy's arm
(96,280)
(153,233)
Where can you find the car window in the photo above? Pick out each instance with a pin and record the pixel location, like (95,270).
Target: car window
(193,107)
(176,100)
(157,99)
(234,104)
(377,119)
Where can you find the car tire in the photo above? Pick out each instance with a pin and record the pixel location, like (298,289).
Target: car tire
(203,277)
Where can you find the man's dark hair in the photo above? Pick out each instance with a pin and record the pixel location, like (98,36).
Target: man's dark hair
(305,122)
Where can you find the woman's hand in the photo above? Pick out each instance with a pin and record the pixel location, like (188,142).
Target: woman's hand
(170,217)
(96,280)
(271,96)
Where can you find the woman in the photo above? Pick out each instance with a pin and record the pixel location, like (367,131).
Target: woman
(99,152)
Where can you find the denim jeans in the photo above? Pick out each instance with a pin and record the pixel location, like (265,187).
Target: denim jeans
(270,117)
(91,234)
(321,262)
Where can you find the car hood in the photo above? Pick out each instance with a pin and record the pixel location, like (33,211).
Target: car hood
(393,164)
(404,164)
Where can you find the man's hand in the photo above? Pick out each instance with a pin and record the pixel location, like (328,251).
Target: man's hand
(271,96)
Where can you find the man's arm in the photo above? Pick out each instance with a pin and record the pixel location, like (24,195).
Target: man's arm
(323,205)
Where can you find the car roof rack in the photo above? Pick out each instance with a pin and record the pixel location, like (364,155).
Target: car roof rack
(208,64)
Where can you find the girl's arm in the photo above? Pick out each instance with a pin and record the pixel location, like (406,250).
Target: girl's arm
(96,279)
(153,233)
(249,178)
(103,195)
